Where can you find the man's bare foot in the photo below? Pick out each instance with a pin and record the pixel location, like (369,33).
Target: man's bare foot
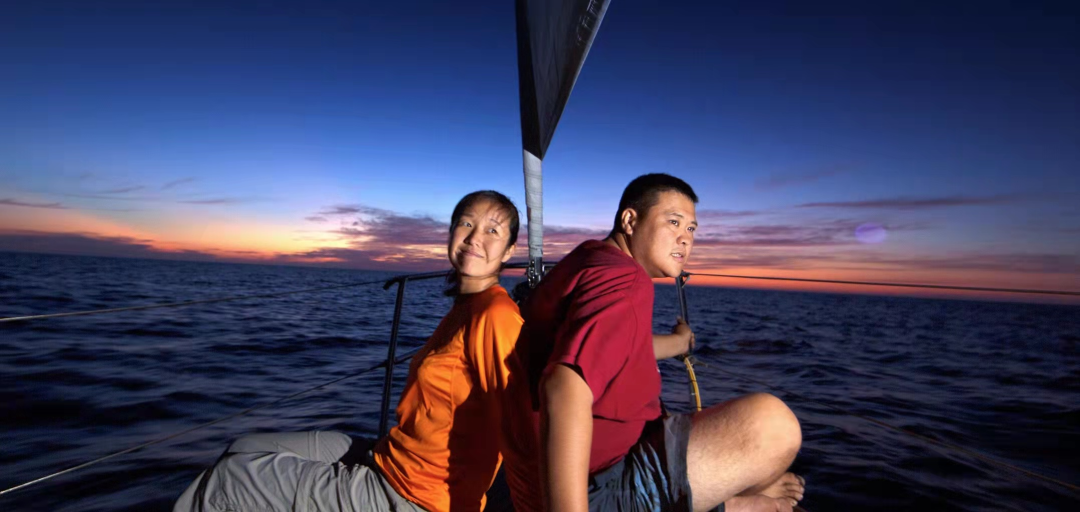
(758,503)
(789,486)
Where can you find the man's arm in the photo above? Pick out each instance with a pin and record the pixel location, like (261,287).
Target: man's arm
(565,439)
(679,342)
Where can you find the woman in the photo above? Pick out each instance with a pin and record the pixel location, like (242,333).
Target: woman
(444,452)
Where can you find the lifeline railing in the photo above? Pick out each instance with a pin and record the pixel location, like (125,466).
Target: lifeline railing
(391,359)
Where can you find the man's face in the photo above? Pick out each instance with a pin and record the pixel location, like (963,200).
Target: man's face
(662,239)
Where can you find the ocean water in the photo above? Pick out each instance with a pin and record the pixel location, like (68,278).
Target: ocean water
(999,379)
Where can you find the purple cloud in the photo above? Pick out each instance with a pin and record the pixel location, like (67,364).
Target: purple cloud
(781,235)
(751,259)
(378,258)
(787,180)
(347,209)
(907,203)
(28,204)
(388,228)
(392,241)
(220,200)
(384,239)
(124,190)
(704,215)
(176,183)
(111,198)
(1037,263)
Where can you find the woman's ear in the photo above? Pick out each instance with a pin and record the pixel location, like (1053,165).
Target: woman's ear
(509,252)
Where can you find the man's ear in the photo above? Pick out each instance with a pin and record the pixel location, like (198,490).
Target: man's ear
(509,252)
(627,220)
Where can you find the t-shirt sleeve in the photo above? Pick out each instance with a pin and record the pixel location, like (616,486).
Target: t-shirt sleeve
(594,337)
(493,340)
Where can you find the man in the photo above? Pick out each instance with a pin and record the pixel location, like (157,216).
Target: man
(590,357)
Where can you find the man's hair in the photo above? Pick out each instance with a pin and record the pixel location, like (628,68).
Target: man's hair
(643,193)
(453,280)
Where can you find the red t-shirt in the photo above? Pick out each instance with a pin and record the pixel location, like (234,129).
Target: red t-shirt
(593,311)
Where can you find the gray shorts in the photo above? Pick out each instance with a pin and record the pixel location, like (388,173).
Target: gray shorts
(295,471)
(652,476)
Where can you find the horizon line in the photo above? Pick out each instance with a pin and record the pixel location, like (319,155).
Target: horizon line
(932,292)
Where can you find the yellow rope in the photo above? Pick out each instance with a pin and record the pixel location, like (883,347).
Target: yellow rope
(694,391)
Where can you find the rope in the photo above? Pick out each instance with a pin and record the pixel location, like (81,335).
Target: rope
(688,358)
(204,425)
(694,390)
(186,303)
(901,285)
(960,449)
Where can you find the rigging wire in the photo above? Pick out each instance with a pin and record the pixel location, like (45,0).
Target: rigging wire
(204,425)
(901,285)
(186,303)
(966,451)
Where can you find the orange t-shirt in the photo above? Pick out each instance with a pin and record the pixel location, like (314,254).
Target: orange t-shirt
(444,452)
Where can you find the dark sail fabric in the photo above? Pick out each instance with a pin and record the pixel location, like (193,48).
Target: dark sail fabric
(554,37)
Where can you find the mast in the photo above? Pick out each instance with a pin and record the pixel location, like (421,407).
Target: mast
(553,39)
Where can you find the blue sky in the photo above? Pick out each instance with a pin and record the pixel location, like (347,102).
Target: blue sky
(223,129)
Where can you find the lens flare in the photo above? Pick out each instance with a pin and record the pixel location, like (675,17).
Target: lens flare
(871,233)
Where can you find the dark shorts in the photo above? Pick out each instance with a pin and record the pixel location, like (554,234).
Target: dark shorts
(652,476)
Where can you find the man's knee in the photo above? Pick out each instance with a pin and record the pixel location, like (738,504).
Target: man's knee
(776,426)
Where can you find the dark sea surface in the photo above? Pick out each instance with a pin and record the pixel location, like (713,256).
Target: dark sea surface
(1002,379)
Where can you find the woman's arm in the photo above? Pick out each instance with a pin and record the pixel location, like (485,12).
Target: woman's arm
(490,351)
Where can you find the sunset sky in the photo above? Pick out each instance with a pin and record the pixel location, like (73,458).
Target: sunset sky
(343,133)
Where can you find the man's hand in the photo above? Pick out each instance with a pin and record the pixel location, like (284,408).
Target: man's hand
(685,335)
(679,342)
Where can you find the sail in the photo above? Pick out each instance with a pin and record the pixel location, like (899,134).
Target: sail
(554,37)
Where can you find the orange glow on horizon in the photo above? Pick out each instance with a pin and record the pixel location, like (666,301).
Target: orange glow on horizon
(970,279)
(229,239)
(65,221)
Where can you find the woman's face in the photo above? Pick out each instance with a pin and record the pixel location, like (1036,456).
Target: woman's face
(477,246)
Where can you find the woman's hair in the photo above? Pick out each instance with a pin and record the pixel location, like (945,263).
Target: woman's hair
(453,280)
